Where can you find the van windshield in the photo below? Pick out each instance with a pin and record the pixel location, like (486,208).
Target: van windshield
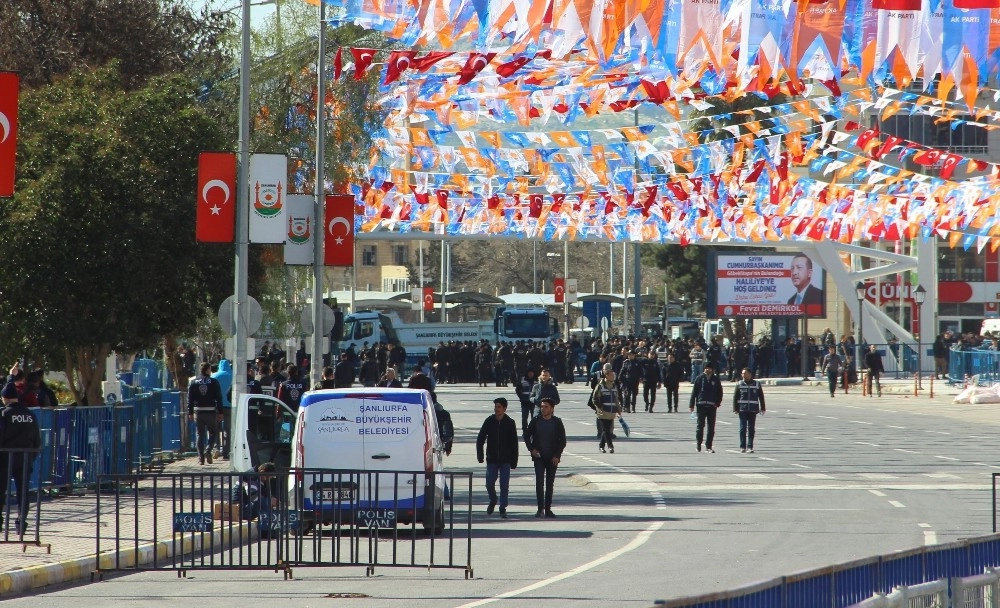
(523,326)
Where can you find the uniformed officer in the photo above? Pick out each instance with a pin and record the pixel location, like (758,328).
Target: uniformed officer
(291,390)
(205,408)
(20,439)
(748,401)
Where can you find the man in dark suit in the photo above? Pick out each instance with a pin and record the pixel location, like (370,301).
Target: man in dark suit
(805,292)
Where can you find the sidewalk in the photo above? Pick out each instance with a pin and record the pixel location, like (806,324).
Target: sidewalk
(68,526)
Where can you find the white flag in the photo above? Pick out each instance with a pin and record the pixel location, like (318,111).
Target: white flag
(300,225)
(268,187)
(571,290)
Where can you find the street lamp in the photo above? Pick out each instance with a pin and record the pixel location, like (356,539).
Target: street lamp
(919,295)
(859,291)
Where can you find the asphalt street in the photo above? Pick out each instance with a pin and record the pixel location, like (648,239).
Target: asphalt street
(832,479)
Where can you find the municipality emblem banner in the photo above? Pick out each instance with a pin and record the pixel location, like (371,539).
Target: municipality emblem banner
(299,228)
(268,182)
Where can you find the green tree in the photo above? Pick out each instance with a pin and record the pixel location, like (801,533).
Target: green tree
(101,230)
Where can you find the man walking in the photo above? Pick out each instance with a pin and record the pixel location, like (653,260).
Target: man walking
(748,401)
(651,380)
(833,367)
(20,440)
(707,396)
(205,408)
(873,361)
(606,403)
(673,373)
(499,434)
(545,439)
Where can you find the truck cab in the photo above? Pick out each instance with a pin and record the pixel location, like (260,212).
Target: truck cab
(368,326)
(524,324)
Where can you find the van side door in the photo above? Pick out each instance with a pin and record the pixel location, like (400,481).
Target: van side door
(267,436)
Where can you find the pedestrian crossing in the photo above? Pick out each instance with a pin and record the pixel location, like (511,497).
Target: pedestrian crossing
(785,476)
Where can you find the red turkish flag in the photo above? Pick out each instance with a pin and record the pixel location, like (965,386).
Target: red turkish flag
(338,64)
(399,62)
(559,289)
(216,217)
(535,202)
(557,202)
(428,298)
(442,198)
(363,59)
(476,63)
(506,70)
(427,61)
(948,163)
(338,247)
(9,89)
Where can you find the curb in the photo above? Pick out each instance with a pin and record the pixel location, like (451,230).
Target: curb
(22,580)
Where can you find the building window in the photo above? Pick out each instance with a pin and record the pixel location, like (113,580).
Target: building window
(400,255)
(395,285)
(368,255)
(961,265)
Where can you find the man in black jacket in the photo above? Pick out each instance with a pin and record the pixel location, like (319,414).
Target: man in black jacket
(873,361)
(545,439)
(499,434)
(205,409)
(707,395)
(19,433)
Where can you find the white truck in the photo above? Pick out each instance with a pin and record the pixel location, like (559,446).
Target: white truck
(509,324)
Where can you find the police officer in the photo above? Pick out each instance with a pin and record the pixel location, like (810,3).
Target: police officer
(290,391)
(707,395)
(19,434)
(205,408)
(748,401)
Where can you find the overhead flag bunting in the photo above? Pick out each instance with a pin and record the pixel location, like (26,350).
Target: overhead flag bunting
(216,211)
(9,93)
(268,186)
(339,238)
(300,226)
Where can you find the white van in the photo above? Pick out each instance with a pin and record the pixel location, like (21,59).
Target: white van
(362,430)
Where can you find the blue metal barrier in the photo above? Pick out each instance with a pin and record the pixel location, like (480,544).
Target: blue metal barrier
(978,362)
(847,584)
(171,419)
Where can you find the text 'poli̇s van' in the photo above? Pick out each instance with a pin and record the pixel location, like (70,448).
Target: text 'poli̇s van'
(352,434)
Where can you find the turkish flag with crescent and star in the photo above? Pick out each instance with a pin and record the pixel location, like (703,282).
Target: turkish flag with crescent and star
(216,216)
(428,298)
(10,85)
(559,289)
(338,245)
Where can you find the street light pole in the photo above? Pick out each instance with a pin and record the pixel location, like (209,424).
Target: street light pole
(859,291)
(919,295)
(242,211)
(316,365)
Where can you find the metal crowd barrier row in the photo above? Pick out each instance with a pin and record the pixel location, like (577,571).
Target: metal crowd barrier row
(281,521)
(961,574)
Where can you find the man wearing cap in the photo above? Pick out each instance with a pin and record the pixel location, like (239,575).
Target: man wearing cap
(19,433)
(545,439)
(707,396)
(499,434)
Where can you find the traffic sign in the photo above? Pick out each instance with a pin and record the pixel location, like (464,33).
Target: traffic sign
(306,320)
(252,313)
(581,322)
(604,324)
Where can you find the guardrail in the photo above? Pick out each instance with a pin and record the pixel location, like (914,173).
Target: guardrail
(959,574)
(81,443)
(984,365)
(280,521)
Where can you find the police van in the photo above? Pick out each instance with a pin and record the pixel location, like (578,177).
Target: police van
(357,432)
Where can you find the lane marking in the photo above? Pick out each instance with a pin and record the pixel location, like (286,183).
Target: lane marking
(861,422)
(946,458)
(841,486)
(887,411)
(791,413)
(823,438)
(937,432)
(637,542)
(768,459)
(897,504)
(930,537)
(874,445)
(786,433)
(752,475)
(982,464)
(801,466)
(893,426)
(876,476)
(906,451)
(814,476)
(924,525)
(827,417)
(877,493)
(942,476)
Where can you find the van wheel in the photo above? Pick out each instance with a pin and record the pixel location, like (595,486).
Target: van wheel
(438,522)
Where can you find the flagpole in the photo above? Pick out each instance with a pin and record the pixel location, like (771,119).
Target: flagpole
(320,189)
(242,213)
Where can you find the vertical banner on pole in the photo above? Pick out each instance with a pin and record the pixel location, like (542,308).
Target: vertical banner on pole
(216,211)
(299,228)
(571,290)
(268,178)
(559,289)
(9,90)
(416,299)
(428,298)
(339,223)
